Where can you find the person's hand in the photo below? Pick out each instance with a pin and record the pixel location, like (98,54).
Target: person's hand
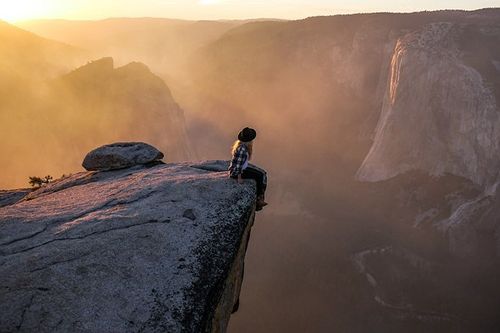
(240,180)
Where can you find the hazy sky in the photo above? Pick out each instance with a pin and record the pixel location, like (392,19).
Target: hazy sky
(14,10)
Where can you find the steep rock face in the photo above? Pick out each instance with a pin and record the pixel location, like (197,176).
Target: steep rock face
(139,249)
(438,116)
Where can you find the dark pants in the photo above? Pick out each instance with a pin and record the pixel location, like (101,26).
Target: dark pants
(258,175)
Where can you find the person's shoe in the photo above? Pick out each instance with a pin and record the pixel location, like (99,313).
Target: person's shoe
(260,204)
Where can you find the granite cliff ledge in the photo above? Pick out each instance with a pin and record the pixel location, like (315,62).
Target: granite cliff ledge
(144,249)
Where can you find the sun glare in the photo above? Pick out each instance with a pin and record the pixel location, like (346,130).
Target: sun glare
(19,10)
(208,2)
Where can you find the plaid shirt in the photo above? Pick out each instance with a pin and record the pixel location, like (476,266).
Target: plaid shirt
(239,158)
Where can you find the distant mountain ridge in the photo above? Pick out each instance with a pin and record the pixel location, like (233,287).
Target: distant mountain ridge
(25,54)
(161,43)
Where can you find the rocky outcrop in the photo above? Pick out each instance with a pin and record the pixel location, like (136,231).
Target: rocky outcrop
(149,249)
(121,155)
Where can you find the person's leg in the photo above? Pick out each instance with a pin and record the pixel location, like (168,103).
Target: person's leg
(257,175)
(264,178)
(260,178)
(262,171)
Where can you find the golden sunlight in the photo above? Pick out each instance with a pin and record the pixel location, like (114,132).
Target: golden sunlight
(19,10)
(208,2)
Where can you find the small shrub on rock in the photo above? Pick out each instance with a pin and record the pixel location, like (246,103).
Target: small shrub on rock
(37,182)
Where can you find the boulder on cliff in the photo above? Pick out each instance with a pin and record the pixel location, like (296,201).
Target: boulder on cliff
(142,249)
(121,155)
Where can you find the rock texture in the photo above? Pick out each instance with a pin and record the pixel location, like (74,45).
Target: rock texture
(143,249)
(10,197)
(121,155)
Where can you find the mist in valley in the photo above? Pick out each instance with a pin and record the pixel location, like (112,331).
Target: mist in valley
(330,253)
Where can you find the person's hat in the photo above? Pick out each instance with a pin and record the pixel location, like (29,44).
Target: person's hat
(247,134)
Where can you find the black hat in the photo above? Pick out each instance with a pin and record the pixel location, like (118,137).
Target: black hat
(247,134)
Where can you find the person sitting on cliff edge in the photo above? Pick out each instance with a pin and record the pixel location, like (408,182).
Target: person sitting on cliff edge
(239,168)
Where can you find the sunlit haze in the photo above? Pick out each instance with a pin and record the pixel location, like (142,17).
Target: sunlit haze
(17,10)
